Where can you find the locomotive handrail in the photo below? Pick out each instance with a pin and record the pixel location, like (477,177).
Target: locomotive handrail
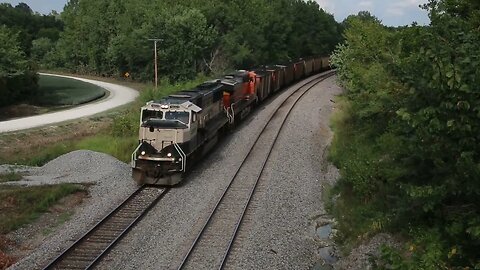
(232,115)
(183,155)
(134,155)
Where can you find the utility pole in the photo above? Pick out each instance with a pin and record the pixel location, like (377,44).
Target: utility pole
(155,40)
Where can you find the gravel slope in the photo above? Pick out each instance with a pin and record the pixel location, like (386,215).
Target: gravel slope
(118,96)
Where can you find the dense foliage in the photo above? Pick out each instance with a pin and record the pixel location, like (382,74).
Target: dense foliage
(24,36)
(408,145)
(33,29)
(110,37)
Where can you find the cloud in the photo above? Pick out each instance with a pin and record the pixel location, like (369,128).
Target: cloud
(400,8)
(392,13)
(327,5)
(365,4)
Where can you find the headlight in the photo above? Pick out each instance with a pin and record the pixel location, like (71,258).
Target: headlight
(142,153)
(169,155)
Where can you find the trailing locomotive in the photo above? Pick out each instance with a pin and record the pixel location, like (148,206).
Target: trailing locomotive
(177,130)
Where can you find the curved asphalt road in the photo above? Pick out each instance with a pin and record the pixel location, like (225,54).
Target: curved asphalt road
(119,95)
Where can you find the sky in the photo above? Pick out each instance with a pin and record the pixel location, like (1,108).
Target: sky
(390,12)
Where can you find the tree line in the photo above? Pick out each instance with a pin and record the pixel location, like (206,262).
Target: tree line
(110,37)
(197,36)
(408,144)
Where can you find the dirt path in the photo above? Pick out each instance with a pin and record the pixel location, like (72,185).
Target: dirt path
(118,96)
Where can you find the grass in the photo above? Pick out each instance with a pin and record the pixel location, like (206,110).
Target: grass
(348,210)
(116,80)
(10,177)
(119,147)
(351,153)
(57,91)
(23,205)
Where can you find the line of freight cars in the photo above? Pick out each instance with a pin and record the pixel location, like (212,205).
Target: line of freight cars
(180,128)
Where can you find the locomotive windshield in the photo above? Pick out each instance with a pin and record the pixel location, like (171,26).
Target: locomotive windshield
(180,116)
(159,119)
(148,114)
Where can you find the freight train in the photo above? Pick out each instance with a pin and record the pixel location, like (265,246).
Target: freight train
(180,128)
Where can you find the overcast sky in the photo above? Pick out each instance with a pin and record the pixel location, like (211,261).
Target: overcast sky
(392,13)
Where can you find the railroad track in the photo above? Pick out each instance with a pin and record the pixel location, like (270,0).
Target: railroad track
(213,244)
(91,247)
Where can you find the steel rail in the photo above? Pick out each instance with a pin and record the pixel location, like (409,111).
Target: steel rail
(316,80)
(137,211)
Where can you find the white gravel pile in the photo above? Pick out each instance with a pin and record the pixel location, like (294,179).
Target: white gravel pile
(112,183)
(80,166)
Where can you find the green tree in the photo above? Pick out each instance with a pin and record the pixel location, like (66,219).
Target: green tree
(12,59)
(40,48)
(17,79)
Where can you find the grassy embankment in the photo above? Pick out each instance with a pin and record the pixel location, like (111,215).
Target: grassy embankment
(58,91)
(20,205)
(54,93)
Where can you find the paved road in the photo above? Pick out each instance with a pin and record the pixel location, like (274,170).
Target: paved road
(119,95)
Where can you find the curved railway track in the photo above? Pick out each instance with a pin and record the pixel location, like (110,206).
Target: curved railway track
(213,244)
(91,247)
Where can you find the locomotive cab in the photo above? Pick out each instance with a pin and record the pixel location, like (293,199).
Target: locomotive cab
(166,136)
